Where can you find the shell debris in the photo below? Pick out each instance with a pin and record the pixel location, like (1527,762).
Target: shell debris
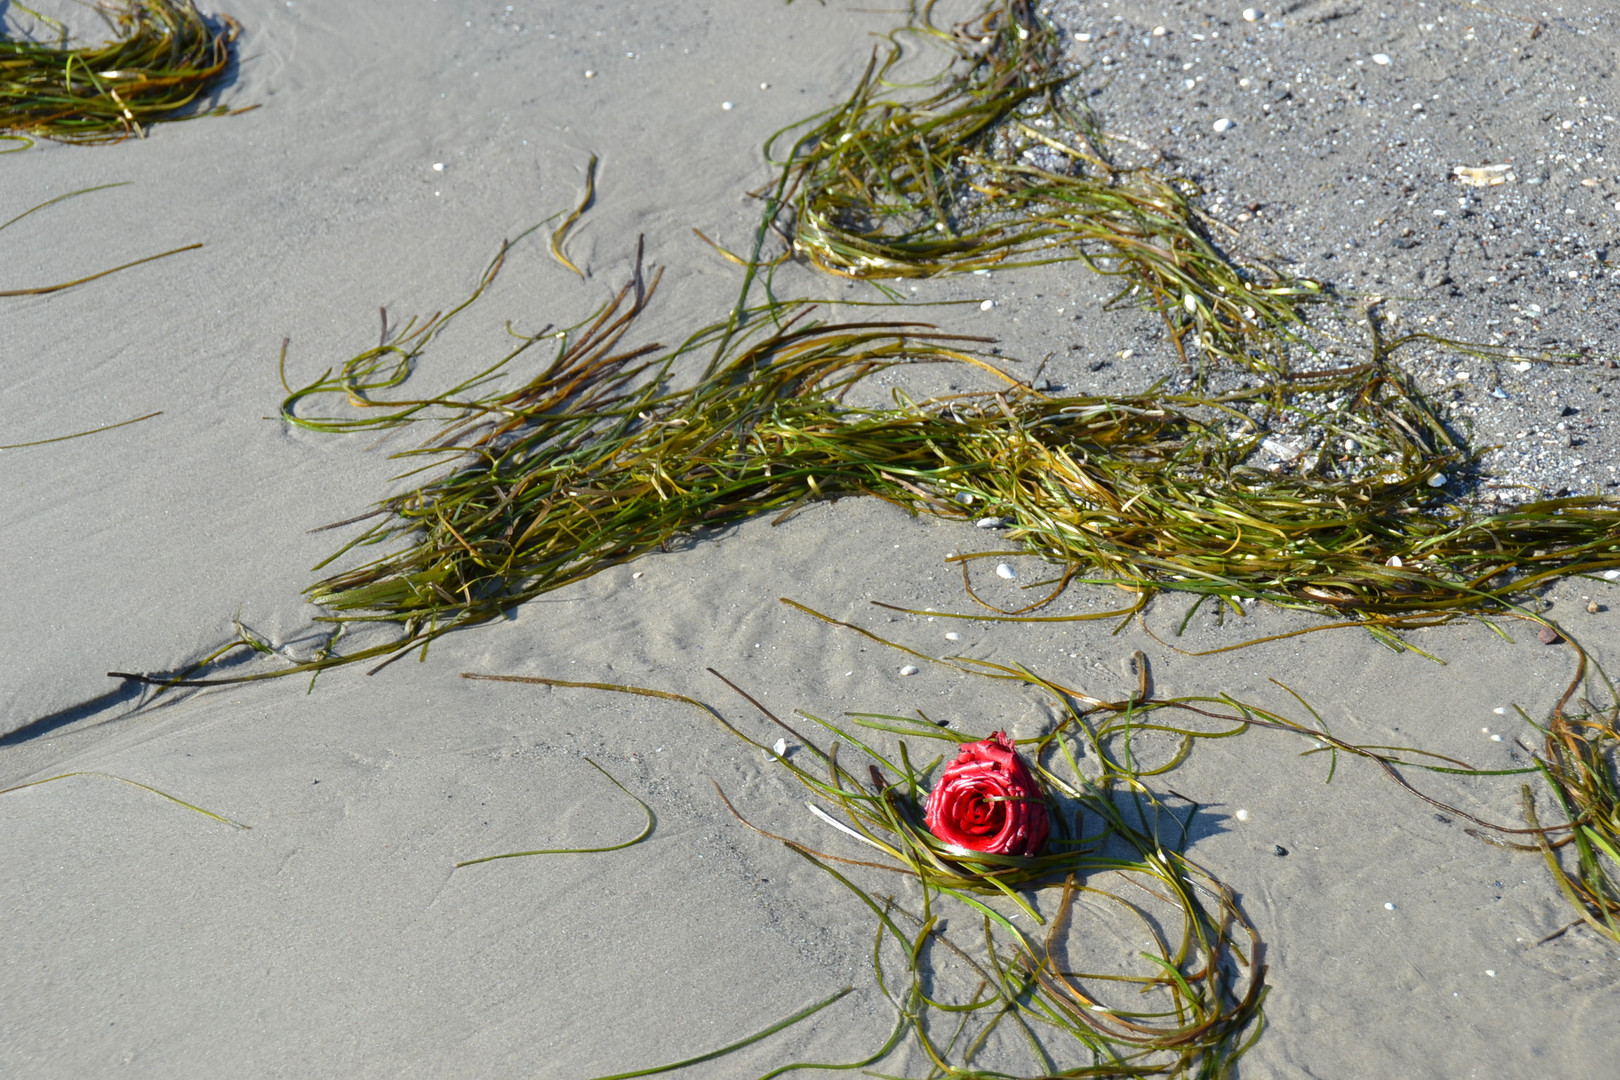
(1483,175)
(1005,572)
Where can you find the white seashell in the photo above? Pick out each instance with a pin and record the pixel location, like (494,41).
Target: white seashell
(1005,571)
(909,669)
(953,636)
(781,747)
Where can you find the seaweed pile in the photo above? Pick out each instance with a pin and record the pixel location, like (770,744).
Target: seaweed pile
(614,449)
(164,56)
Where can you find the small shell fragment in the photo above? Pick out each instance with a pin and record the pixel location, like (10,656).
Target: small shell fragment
(1438,480)
(1381,59)
(1483,175)
(1224,124)
(1005,571)
(1251,15)
(1395,561)
(953,636)
(986,305)
(1242,815)
(780,749)
(990,523)
(909,669)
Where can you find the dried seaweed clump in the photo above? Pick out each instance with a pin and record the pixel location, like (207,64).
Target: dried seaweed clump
(164,56)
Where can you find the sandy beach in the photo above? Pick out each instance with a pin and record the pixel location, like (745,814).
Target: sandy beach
(394,147)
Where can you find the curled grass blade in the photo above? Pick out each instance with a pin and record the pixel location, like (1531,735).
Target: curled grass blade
(132,783)
(81,434)
(46,290)
(652,822)
(786,1022)
(568,222)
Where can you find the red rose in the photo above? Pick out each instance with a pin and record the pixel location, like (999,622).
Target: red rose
(987,800)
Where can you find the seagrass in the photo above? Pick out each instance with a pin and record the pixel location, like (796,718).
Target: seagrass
(998,167)
(1188,1007)
(165,55)
(613,450)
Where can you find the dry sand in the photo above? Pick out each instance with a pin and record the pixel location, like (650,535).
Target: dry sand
(333,938)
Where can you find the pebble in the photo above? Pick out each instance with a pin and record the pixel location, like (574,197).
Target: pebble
(636,576)
(953,636)
(1242,815)
(438,166)
(728,106)
(1593,607)
(1279,850)
(986,305)
(1005,571)
(1251,15)
(590,74)
(909,669)
(990,523)
(1381,59)
(1389,907)
(1549,636)
(1160,31)
(1611,575)
(1224,124)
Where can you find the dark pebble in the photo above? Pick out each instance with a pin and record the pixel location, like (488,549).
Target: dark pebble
(1549,636)
(1280,850)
